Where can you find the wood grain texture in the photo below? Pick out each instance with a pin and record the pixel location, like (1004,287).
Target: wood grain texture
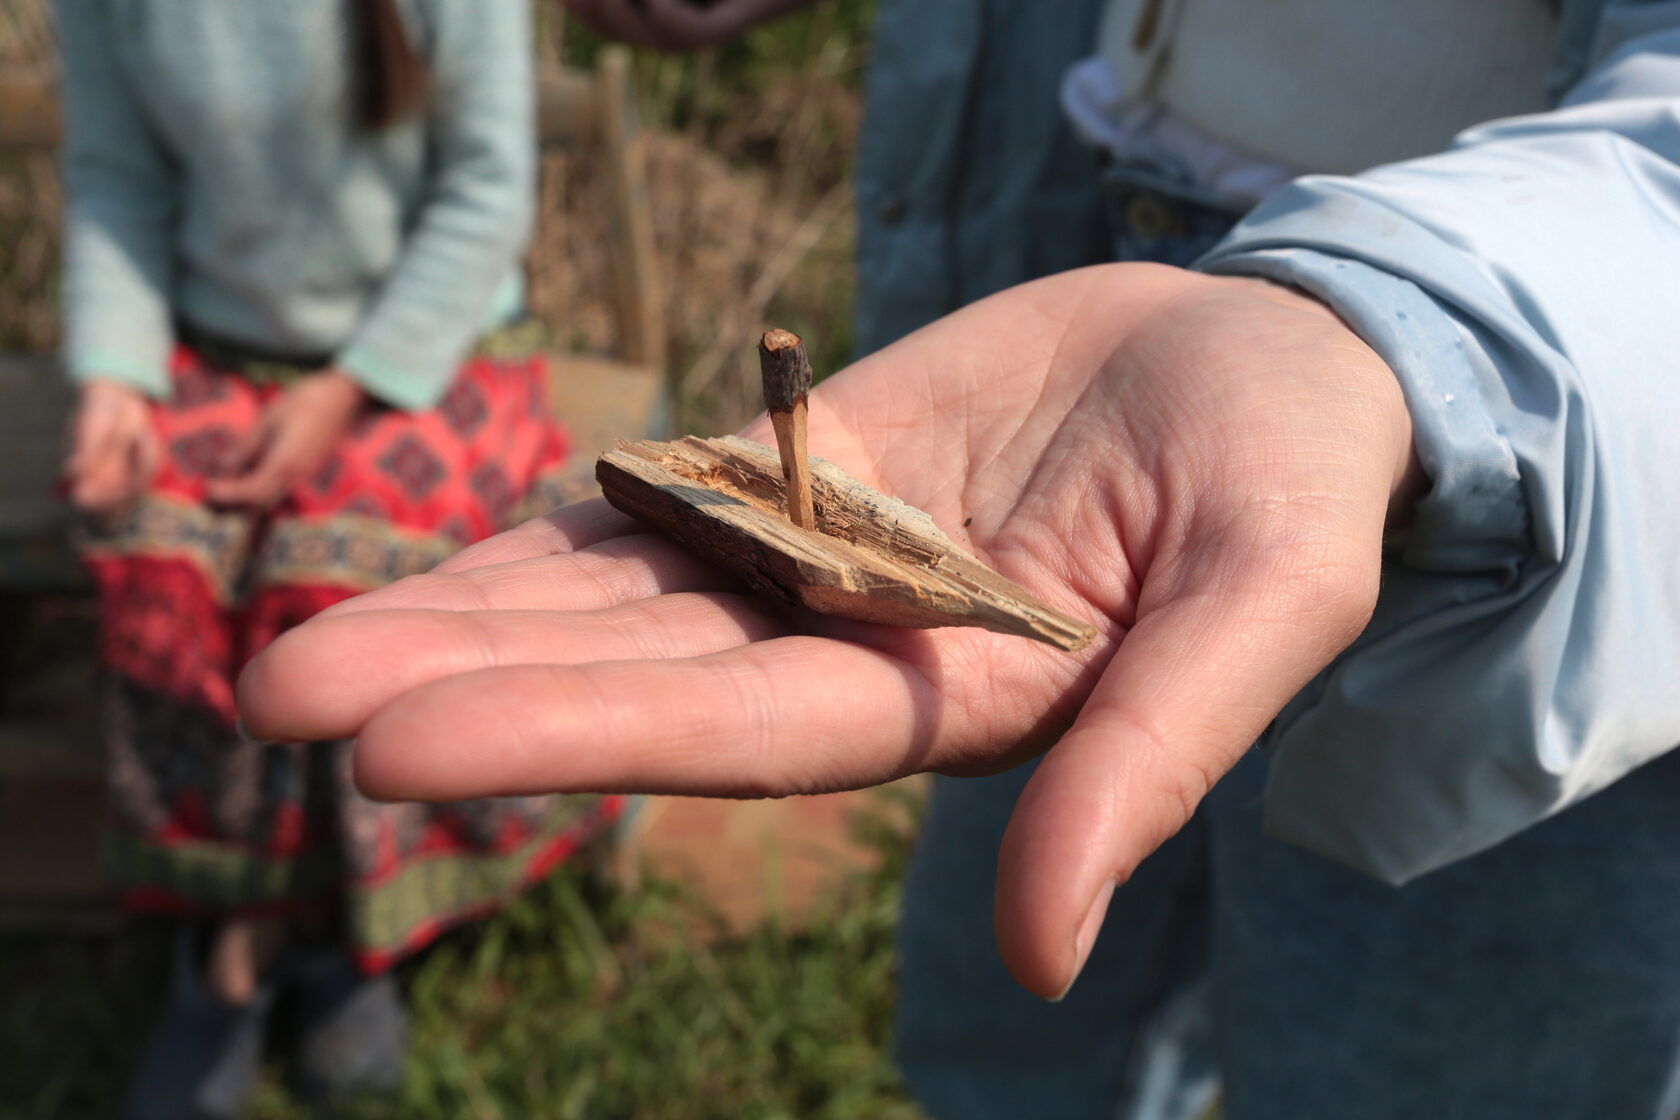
(872,558)
(796,465)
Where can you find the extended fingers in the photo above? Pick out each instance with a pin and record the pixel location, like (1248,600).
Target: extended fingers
(324,681)
(614,571)
(791,715)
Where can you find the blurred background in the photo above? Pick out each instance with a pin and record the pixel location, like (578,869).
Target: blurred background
(726,960)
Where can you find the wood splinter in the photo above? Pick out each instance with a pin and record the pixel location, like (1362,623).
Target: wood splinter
(787,389)
(873,558)
(876,559)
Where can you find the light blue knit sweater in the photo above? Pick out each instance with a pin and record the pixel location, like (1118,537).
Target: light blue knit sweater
(216,177)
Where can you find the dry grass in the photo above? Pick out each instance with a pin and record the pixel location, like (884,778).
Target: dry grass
(29,201)
(749,166)
(749,157)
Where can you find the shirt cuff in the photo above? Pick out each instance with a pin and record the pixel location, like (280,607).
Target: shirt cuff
(1475,516)
(415,378)
(395,385)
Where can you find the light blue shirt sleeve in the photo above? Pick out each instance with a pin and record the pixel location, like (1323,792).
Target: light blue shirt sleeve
(1525,288)
(473,225)
(122,191)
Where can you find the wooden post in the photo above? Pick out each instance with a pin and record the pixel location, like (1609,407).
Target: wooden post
(641,316)
(787,387)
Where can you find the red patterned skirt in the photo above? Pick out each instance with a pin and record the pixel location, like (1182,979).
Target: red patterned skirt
(204,820)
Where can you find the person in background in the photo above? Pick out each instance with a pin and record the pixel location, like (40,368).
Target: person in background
(1383,483)
(292,303)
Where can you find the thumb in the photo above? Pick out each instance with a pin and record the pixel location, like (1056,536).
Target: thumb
(1191,687)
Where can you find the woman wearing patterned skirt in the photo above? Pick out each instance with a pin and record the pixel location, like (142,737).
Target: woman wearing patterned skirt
(292,299)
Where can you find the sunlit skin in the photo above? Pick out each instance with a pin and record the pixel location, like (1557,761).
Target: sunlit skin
(295,434)
(1200,466)
(113,451)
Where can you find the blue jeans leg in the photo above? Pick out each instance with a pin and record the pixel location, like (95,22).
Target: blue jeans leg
(1132,1039)
(1538,979)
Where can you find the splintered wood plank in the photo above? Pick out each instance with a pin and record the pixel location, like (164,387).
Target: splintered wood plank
(871,557)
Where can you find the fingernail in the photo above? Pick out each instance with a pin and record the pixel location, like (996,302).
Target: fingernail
(1086,935)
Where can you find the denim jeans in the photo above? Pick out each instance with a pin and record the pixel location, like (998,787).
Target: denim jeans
(1540,979)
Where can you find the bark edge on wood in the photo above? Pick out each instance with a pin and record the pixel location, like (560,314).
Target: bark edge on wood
(872,558)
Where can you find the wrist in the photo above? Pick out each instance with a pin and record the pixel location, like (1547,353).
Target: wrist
(1407,481)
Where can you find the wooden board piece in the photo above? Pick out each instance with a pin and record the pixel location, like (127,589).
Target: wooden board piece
(872,558)
(635,263)
(600,400)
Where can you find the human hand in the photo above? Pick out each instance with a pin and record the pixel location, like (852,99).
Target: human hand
(113,450)
(1201,466)
(291,439)
(677,25)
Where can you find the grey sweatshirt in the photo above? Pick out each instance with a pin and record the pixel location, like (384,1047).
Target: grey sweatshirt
(216,177)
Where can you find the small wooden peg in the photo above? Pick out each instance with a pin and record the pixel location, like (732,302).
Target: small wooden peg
(787,388)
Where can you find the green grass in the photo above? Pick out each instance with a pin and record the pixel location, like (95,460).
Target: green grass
(573,1002)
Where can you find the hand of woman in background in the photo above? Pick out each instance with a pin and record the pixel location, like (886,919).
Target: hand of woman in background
(677,25)
(113,449)
(290,441)
(1200,466)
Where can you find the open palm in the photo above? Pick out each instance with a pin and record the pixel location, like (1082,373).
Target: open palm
(1199,466)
